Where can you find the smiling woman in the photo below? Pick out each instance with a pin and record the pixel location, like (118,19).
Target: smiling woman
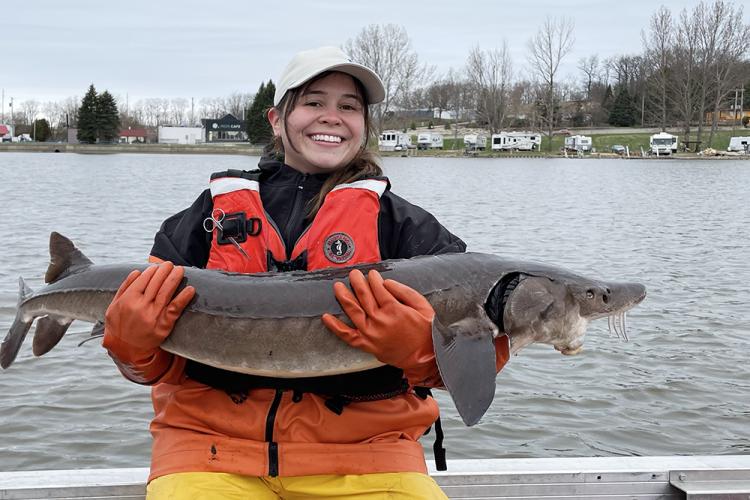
(319,200)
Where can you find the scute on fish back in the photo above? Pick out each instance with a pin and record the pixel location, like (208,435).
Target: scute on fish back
(269,324)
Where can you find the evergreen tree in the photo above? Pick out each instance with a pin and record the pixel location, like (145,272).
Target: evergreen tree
(107,118)
(40,129)
(87,125)
(258,129)
(623,112)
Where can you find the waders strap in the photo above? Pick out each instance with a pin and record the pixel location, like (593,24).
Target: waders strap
(437,448)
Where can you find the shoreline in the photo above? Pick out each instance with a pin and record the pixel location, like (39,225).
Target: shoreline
(250,150)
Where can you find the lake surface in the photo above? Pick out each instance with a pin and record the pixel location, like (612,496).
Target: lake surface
(680,386)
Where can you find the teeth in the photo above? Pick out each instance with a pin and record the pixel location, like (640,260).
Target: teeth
(326,138)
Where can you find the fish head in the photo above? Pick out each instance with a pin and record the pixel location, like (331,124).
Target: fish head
(542,310)
(557,311)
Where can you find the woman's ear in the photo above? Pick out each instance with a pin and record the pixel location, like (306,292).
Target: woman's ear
(274,118)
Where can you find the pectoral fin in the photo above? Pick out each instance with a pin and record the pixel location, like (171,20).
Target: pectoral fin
(49,331)
(465,354)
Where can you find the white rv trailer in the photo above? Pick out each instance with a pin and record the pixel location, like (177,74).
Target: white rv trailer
(662,144)
(394,140)
(475,142)
(739,144)
(429,140)
(516,141)
(581,143)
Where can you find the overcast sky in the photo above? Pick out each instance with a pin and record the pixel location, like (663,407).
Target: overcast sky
(165,48)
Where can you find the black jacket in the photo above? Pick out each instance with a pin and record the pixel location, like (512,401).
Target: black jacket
(405,230)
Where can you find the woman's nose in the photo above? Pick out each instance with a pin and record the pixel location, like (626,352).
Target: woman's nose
(330,115)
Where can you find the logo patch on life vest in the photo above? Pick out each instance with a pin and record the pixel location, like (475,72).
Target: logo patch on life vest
(339,248)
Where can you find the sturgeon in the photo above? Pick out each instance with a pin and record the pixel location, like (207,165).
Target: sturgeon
(269,323)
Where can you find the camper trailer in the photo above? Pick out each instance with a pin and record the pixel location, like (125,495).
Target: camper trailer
(662,144)
(579,143)
(739,144)
(394,140)
(516,141)
(428,140)
(475,142)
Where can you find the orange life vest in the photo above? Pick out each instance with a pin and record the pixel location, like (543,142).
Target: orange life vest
(344,231)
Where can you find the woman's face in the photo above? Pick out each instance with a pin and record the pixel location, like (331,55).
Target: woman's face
(326,128)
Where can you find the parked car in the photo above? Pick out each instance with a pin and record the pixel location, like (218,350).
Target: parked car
(618,148)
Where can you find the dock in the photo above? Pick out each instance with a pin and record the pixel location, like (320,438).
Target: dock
(718,477)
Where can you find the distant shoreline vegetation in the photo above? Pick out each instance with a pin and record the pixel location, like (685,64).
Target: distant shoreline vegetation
(602,142)
(691,77)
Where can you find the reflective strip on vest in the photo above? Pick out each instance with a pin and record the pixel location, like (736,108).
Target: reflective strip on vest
(225,185)
(374,185)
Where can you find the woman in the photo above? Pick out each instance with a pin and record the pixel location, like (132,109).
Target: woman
(224,435)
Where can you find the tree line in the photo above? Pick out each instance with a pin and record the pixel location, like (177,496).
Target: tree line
(690,65)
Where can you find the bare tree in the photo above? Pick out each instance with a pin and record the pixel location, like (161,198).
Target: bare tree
(236,104)
(547,48)
(386,49)
(726,71)
(684,83)
(29,110)
(490,73)
(590,68)
(657,44)
(437,95)
(178,110)
(459,96)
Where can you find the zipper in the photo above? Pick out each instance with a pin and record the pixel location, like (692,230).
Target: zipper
(295,213)
(273,447)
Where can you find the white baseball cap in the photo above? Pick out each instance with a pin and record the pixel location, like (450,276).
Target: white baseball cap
(308,64)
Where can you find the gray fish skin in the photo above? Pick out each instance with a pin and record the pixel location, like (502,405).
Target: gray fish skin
(269,323)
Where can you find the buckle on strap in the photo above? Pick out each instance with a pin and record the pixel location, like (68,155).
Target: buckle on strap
(236,225)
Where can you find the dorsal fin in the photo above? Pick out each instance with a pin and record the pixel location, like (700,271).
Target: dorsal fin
(64,258)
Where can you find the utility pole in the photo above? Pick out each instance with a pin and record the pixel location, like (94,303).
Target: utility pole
(734,108)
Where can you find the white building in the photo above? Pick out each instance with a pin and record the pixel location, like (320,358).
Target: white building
(181,135)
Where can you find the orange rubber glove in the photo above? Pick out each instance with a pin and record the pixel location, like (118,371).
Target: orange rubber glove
(391,321)
(141,317)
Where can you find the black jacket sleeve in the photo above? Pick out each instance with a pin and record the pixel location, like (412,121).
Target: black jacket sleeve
(182,239)
(406,230)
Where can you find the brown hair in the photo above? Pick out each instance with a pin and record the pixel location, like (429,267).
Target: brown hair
(365,162)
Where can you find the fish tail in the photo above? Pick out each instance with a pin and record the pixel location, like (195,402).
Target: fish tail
(18,330)
(65,258)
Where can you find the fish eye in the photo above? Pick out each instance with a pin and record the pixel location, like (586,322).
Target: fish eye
(589,294)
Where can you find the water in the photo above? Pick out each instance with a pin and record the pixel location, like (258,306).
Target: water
(680,386)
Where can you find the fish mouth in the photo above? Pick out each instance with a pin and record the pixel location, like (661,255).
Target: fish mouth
(569,351)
